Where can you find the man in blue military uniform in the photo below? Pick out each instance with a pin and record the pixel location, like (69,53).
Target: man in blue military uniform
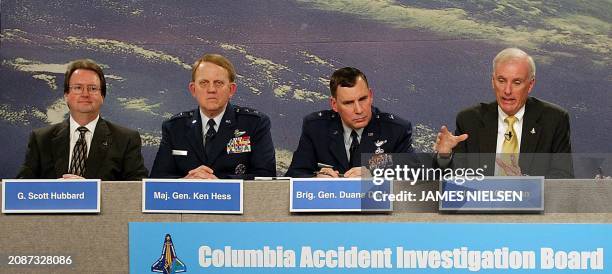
(332,141)
(217,140)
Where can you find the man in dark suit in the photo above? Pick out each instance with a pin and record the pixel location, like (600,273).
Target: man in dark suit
(528,135)
(217,140)
(85,145)
(332,141)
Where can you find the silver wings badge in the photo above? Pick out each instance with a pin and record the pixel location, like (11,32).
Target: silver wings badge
(378,145)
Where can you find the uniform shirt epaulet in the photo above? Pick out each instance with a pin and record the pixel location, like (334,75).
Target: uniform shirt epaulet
(184,114)
(321,115)
(388,117)
(247,111)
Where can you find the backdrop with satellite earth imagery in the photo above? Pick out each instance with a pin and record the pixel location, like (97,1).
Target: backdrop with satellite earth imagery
(425,60)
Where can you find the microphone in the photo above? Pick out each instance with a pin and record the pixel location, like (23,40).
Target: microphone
(508,135)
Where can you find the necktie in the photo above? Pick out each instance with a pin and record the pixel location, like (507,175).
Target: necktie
(508,161)
(210,134)
(510,144)
(79,154)
(354,150)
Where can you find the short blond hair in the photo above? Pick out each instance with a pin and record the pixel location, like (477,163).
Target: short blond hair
(218,60)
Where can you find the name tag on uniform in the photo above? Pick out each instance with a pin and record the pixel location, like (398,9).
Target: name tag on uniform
(239,144)
(179,152)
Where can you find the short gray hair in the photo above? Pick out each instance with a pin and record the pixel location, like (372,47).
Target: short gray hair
(515,53)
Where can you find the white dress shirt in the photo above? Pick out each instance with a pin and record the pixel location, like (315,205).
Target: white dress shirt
(205,119)
(502,127)
(74,135)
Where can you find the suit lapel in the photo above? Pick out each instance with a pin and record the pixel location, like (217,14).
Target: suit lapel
(194,136)
(531,128)
(100,144)
(530,135)
(61,148)
(487,137)
(227,126)
(336,143)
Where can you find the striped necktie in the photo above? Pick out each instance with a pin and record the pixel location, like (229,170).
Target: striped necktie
(79,154)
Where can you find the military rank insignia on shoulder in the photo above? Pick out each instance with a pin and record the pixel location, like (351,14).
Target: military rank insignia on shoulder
(322,115)
(387,117)
(247,110)
(184,114)
(392,119)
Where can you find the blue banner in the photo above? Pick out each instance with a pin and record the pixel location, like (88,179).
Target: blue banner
(192,196)
(51,196)
(343,194)
(368,248)
(519,193)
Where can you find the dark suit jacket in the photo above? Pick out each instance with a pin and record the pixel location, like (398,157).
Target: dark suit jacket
(114,154)
(182,134)
(545,139)
(322,141)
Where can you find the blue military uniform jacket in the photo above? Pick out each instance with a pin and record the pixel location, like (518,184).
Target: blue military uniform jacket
(242,147)
(322,141)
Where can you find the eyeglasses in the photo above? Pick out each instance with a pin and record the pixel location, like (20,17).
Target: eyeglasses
(78,89)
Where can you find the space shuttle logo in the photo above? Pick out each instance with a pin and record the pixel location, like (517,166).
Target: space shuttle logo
(168,263)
